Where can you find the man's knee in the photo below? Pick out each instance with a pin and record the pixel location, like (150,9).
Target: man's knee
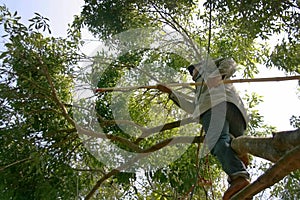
(220,147)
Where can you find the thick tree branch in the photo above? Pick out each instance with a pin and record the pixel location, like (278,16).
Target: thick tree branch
(260,147)
(288,163)
(271,149)
(286,139)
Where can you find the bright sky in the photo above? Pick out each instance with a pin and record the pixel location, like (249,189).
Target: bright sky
(59,12)
(280,98)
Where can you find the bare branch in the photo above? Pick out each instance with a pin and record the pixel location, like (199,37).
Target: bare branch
(272,148)
(284,166)
(124,89)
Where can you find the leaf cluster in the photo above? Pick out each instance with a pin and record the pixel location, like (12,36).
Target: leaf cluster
(37,143)
(110,17)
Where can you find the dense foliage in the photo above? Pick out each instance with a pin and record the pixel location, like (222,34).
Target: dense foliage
(37,142)
(49,146)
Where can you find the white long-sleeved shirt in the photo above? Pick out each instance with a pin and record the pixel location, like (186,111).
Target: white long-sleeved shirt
(206,98)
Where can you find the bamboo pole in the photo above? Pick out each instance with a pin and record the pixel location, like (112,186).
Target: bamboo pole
(130,88)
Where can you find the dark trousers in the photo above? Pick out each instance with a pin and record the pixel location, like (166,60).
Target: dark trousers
(219,122)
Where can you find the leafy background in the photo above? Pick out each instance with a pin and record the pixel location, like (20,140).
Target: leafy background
(42,155)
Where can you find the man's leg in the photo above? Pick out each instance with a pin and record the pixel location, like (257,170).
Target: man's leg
(217,126)
(237,124)
(237,127)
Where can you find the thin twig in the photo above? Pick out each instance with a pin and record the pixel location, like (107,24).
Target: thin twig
(15,163)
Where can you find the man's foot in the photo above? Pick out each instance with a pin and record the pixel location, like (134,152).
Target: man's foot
(237,184)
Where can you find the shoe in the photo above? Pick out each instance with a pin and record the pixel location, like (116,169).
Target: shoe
(237,184)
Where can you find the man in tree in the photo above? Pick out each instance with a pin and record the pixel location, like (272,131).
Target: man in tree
(221,112)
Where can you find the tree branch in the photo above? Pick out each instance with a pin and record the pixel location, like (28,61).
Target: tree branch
(15,163)
(143,154)
(55,96)
(124,89)
(168,126)
(271,149)
(284,166)
(100,181)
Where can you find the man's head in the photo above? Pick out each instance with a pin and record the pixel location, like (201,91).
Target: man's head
(194,71)
(195,68)
(191,69)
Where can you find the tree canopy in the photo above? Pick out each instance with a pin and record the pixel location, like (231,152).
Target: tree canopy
(62,140)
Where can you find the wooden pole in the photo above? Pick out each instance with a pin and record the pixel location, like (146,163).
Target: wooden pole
(129,88)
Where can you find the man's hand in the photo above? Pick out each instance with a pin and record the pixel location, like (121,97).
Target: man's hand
(164,89)
(213,81)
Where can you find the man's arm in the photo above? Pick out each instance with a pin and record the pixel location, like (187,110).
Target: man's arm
(178,99)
